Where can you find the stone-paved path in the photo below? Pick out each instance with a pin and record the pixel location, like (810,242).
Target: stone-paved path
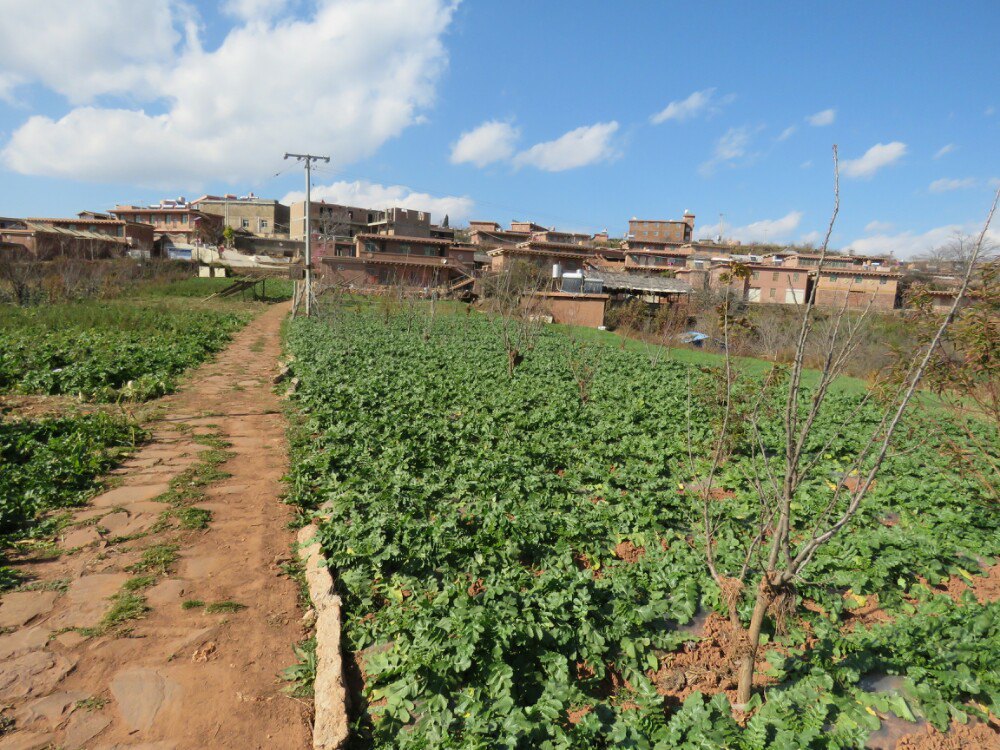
(176,677)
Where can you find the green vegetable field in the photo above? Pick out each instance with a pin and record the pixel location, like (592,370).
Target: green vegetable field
(128,349)
(522,567)
(53,462)
(103,350)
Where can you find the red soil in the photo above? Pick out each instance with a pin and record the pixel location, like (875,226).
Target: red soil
(972,736)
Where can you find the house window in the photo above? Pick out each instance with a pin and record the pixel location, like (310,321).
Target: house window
(245,223)
(430,250)
(883,281)
(834,277)
(756,275)
(771,293)
(858,280)
(774,276)
(371,247)
(404,249)
(184,219)
(263,223)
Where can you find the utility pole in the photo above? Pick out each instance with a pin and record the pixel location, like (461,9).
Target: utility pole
(308,159)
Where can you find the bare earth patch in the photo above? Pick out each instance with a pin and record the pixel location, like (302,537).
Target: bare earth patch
(975,735)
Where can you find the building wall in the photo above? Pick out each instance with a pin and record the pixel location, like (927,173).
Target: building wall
(776,286)
(834,288)
(179,224)
(661,231)
(329,218)
(543,261)
(42,245)
(572,309)
(259,217)
(649,261)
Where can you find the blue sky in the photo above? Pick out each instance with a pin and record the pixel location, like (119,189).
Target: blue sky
(579,116)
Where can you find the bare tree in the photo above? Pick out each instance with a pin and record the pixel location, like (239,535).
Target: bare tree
(516,309)
(21,275)
(783,538)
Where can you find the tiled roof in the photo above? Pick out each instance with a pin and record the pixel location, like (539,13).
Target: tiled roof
(638,283)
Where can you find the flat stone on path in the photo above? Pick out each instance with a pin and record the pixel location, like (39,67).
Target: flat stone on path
(166,592)
(22,641)
(140,694)
(21,607)
(82,727)
(130,493)
(50,710)
(80,537)
(87,600)
(26,741)
(34,673)
(126,523)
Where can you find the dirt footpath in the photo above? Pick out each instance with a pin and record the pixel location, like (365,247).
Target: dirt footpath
(155,624)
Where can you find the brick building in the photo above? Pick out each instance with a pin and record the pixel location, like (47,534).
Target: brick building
(657,260)
(491,234)
(781,285)
(329,220)
(334,220)
(550,257)
(47,242)
(138,237)
(660,230)
(380,260)
(857,288)
(261,217)
(174,222)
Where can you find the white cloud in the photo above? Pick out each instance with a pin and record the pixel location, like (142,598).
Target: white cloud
(697,103)
(946,149)
(807,164)
(946,184)
(990,111)
(878,156)
(878,226)
(490,142)
(577,148)
(338,83)
(811,238)
(255,10)
(770,230)
(732,145)
(373,195)
(787,133)
(821,119)
(82,49)
(907,244)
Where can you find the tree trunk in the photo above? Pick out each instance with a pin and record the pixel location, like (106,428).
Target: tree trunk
(747,648)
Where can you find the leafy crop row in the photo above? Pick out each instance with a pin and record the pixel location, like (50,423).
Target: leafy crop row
(55,463)
(109,349)
(473,520)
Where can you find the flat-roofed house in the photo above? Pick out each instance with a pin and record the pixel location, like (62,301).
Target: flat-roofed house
(662,230)
(778,285)
(857,288)
(261,217)
(174,221)
(381,261)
